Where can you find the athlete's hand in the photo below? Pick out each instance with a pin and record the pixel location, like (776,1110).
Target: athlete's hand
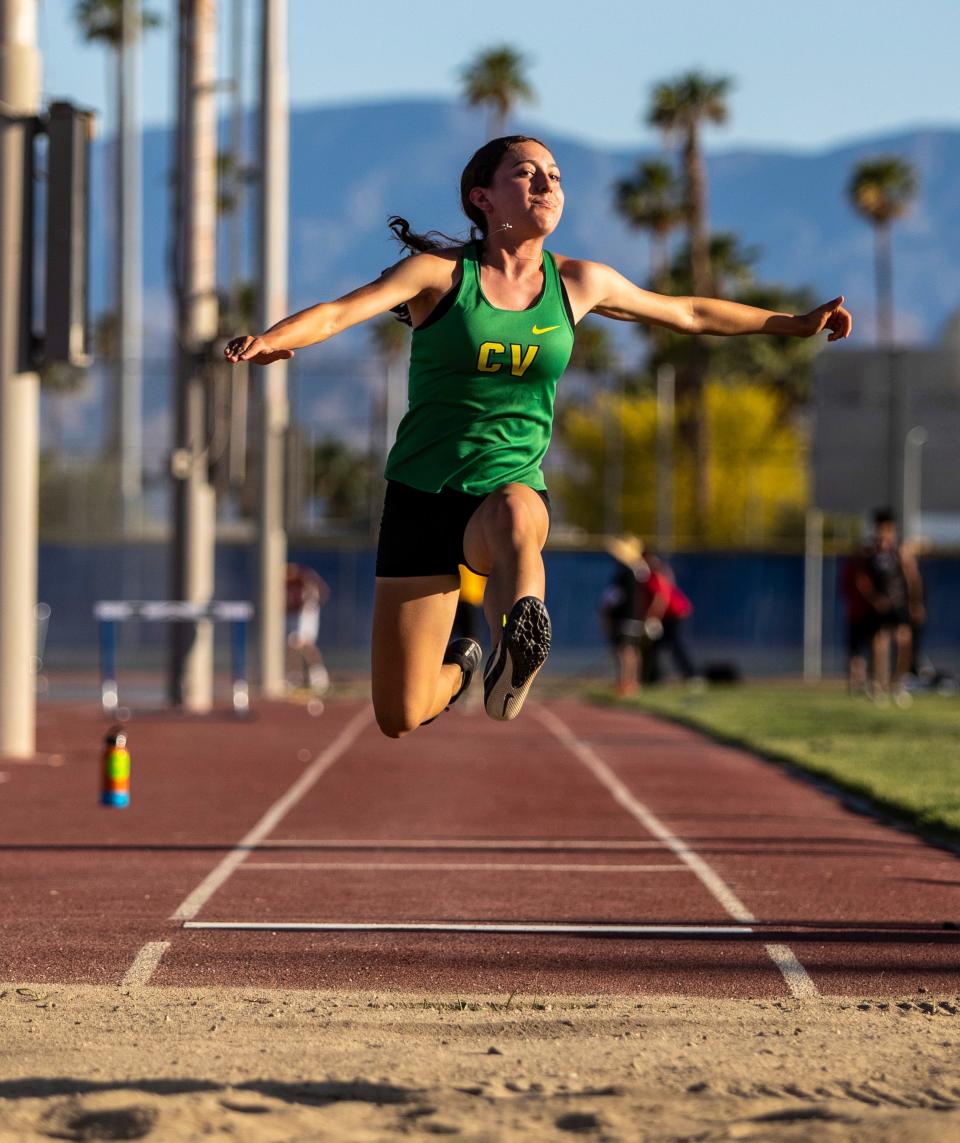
(255,350)
(831,316)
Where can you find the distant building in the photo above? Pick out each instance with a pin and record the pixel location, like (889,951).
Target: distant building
(886,431)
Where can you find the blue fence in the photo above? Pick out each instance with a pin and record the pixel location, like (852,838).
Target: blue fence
(748,606)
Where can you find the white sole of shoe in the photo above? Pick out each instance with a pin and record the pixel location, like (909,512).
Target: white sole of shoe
(517,661)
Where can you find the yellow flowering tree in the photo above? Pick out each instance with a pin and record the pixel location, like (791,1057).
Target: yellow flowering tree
(757,462)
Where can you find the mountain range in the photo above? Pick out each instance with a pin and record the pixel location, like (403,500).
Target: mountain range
(353,165)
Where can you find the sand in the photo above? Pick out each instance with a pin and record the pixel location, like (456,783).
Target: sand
(85,1062)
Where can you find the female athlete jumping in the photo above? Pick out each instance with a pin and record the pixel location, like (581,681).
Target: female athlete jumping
(493,327)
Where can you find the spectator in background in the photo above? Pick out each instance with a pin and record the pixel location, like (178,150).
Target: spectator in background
(889,586)
(665,610)
(856,590)
(307,592)
(621,609)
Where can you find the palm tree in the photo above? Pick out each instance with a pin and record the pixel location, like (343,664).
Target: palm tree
(118,24)
(495,79)
(102,20)
(649,199)
(881,190)
(390,338)
(593,349)
(681,108)
(731,267)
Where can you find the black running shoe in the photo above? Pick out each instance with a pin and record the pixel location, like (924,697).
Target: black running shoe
(468,655)
(521,652)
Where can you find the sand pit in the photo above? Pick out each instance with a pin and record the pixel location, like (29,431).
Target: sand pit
(84,1062)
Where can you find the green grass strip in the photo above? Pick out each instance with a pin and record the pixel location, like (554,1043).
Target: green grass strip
(906,761)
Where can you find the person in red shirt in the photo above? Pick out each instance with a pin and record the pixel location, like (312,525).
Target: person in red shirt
(856,590)
(665,612)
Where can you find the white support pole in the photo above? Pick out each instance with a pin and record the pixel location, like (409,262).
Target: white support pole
(274,201)
(613,452)
(130,273)
(396,402)
(191,674)
(913,444)
(813,598)
(666,416)
(19,384)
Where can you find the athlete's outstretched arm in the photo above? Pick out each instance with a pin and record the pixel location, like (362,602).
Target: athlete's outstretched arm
(596,288)
(397,285)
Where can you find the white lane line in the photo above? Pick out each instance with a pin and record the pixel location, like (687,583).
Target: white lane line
(144,964)
(195,901)
(485,866)
(523,843)
(472,927)
(794,974)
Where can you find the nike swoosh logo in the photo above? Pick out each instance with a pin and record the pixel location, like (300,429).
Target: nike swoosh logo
(546,329)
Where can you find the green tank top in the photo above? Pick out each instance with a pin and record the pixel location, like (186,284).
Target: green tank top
(481,390)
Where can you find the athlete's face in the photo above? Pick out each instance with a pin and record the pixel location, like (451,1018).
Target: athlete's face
(525,192)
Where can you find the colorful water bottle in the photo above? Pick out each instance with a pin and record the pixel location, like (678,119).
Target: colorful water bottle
(115,788)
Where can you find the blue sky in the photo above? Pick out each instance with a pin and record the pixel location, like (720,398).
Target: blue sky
(806,75)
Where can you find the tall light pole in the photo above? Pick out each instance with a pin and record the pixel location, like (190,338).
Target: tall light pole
(19,384)
(613,452)
(274,196)
(813,597)
(191,667)
(130,270)
(240,373)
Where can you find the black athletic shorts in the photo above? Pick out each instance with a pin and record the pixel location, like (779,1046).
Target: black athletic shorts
(895,617)
(421,533)
(860,633)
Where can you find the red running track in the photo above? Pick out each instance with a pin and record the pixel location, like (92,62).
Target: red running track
(572,816)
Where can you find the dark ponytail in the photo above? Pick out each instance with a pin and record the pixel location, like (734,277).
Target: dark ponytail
(419,243)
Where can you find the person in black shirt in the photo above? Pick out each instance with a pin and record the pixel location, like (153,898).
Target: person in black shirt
(889,592)
(622,609)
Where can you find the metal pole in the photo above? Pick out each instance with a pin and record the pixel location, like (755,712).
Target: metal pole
(236,228)
(396,399)
(813,598)
(896,426)
(237,260)
(913,444)
(274,196)
(130,263)
(191,674)
(613,451)
(19,384)
(666,385)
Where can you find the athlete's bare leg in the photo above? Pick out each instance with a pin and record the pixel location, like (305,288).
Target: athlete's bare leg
(412,621)
(503,540)
(881,661)
(903,642)
(628,668)
(857,674)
